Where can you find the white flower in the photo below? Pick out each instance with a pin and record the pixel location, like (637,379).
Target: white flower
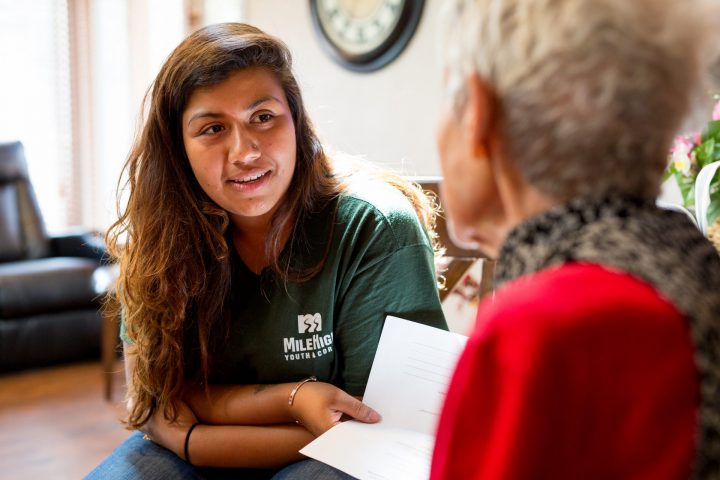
(681,155)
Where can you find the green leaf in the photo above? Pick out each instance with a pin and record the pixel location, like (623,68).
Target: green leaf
(711,130)
(687,189)
(704,152)
(713,211)
(714,207)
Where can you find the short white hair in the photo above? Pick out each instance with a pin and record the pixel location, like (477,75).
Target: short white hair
(591,92)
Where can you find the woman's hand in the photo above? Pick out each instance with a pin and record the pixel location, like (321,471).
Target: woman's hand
(319,406)
(171,435)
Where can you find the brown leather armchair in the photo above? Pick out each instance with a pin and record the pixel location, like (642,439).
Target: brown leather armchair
(49,285)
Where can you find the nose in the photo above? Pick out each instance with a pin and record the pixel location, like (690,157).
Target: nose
(243,147)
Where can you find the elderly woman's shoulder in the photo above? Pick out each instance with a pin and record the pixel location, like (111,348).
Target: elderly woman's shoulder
(581,297)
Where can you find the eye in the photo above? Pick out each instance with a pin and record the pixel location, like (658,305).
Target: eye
(212,129)
(263,117)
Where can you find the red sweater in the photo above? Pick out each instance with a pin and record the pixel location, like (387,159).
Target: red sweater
(575,372)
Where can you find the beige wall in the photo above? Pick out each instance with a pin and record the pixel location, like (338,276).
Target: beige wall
(389,115)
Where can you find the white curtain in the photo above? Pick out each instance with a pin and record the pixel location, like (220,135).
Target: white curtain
(35,105)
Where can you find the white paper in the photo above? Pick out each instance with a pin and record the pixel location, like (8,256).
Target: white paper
(407,385)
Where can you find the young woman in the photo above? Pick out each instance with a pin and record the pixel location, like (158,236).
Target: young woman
(255,273)
(599,356)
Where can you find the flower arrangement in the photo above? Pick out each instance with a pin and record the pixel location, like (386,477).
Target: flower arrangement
(689,154)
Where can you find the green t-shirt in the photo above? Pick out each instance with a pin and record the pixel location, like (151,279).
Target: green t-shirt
(379,262)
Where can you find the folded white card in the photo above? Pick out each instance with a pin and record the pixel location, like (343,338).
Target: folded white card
(407,386)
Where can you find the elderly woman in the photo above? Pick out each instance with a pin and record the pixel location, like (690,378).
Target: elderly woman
(599,355)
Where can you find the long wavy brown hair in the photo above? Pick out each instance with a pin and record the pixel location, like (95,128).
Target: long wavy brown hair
(170,239)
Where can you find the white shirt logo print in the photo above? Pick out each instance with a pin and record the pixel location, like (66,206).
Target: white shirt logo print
(309,323)
(310,343)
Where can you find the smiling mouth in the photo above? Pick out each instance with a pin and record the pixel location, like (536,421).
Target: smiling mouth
(250,178)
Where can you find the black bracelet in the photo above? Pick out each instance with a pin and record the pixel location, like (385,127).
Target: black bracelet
(187,441)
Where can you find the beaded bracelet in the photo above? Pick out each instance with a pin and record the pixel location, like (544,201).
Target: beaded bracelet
(291,398)
(187,441)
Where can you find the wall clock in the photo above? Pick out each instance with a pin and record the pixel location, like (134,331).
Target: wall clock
(365,35)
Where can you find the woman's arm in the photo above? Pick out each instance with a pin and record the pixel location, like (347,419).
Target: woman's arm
(317,405)
(240,404)
(247,447)
(229,446)
(233,440)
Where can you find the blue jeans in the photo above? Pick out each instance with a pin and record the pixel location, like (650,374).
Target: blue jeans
(139,459)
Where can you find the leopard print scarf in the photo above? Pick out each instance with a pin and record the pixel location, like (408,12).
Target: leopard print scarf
(662,248)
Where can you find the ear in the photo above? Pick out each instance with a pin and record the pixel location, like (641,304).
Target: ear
(477,118)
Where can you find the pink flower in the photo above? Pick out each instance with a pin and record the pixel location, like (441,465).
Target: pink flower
(716,111)
(681,154)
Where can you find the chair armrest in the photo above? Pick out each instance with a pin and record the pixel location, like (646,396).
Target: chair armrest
(80,244)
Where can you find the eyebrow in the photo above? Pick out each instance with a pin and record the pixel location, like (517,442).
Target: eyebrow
(250,106)
(261,101)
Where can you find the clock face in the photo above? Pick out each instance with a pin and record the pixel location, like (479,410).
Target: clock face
(365,35)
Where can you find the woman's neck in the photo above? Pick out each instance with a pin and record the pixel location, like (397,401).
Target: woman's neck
(517,201)
(250,239)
